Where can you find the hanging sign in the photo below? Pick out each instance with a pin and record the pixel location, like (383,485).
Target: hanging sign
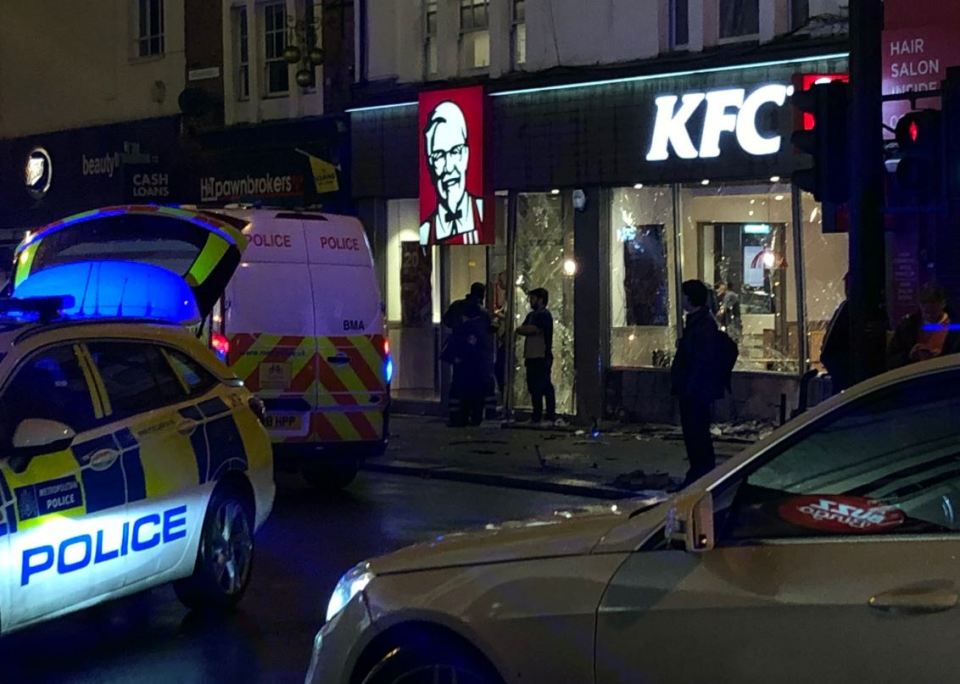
(456,207)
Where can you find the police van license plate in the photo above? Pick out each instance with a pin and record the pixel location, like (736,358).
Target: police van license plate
(286,423)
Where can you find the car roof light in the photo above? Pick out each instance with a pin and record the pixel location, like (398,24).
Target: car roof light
(34,308)
(114,289)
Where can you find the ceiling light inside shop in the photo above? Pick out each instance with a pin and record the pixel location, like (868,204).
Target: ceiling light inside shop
(569,267)
(555,191)
(705,181)
(774,179)
(638,186)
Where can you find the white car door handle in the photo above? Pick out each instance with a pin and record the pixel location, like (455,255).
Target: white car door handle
(915,601)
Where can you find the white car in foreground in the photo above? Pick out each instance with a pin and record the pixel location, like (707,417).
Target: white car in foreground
(828,552)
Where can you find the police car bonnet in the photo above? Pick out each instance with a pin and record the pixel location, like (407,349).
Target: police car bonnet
(115,289)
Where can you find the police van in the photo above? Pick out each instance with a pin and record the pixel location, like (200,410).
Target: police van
(298,316)
(131,456)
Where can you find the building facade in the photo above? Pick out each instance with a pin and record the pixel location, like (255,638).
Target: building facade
(622,161)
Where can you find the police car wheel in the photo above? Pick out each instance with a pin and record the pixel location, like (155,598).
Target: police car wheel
(331,476)
(225,558)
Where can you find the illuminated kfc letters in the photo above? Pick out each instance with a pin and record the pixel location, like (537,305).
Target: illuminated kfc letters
(453,187)
(731,110)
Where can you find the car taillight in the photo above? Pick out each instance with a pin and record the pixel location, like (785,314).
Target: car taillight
(220,345)
(258,408)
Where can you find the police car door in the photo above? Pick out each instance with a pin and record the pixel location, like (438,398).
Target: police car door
(146,399)
(63,510)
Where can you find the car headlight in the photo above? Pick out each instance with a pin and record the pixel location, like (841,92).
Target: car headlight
(352,583)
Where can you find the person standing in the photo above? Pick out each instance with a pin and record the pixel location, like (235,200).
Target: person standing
(469,349)
(697,378)
(728,310)
(537,329)
(835,352)
(926,333)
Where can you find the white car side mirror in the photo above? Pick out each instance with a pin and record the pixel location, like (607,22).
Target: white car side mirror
(690,522)
(34,433)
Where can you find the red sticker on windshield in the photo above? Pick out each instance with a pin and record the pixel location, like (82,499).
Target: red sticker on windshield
(840,514)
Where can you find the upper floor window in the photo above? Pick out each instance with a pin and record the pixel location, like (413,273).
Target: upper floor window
(430,52)
(739,18)
(149,28)
(242,42)
(519,33)
(799,13)
(679,23)
(275,42)
(474,34)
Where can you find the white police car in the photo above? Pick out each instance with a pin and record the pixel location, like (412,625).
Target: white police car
(129,455)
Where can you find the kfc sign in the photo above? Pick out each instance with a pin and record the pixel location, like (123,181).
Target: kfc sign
(454,191)
(729,111)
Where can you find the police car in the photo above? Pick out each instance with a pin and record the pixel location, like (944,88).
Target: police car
(826,553)
(129,455)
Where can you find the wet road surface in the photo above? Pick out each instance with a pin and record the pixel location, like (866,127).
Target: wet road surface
(308,542)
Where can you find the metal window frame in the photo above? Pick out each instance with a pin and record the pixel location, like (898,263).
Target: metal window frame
(741,37)
(146,35)
(674,43)
(473,5)
(267,34)
(242,41)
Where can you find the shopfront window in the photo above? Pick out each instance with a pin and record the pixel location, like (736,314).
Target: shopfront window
(825,259)
(413,304)
(544,257)
(739,238)
(643,312)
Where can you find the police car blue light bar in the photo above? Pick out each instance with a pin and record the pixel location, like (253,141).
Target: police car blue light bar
(114,289)
(41,308)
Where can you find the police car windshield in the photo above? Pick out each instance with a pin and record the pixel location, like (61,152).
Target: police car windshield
(157,240)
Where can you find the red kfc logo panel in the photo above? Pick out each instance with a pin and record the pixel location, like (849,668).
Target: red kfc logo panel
(455,208)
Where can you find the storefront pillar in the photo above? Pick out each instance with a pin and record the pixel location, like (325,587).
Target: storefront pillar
(589,311)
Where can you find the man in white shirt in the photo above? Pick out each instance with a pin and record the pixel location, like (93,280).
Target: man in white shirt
(459,215)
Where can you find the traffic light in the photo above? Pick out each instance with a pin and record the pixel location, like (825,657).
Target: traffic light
(920,139)
(826,141)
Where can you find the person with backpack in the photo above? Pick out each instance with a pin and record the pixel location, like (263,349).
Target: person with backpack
(700,374)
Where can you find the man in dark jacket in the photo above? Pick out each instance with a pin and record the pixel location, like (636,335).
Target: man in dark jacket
(697,382)
(470,351)
(835,352)
(926,333)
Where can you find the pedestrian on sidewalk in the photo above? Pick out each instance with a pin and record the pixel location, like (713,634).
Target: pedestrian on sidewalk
(835,354)
(926,333)
(699,376)
(469,349)
(537,329)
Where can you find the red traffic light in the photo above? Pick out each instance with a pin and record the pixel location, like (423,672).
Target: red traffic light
(918,128)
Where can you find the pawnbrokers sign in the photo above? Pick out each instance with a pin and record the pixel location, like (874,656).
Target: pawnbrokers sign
(233,189)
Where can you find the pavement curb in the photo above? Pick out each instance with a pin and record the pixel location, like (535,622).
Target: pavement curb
(439,472)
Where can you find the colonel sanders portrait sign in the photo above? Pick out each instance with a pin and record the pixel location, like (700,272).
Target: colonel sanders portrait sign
(454,193)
